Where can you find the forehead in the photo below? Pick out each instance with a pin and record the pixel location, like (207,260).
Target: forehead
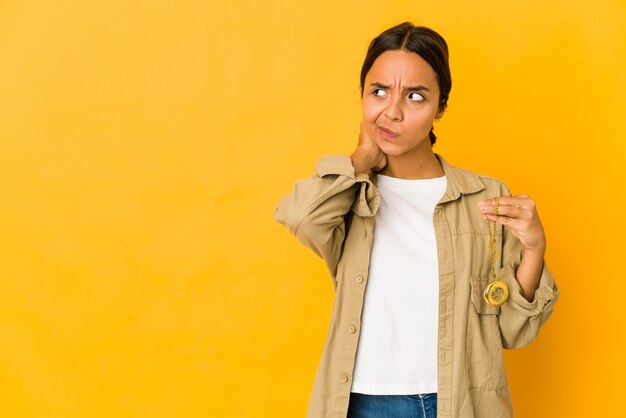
(391,66)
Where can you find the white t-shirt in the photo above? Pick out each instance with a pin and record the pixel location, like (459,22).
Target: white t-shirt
(397,349)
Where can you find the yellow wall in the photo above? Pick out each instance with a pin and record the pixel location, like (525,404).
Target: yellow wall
(145,144)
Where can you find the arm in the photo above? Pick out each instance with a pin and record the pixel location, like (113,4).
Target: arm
(315,208)
(529,272)
(532,291)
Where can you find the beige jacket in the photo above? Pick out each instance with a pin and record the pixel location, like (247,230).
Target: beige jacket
(333,212)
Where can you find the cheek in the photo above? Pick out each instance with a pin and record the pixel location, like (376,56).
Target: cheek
(417,126)
(422,118)
(368,115)
(370,112)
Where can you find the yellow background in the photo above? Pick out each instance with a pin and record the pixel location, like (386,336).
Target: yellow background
(145,144)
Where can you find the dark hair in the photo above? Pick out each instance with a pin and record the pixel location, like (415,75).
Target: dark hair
(421,40)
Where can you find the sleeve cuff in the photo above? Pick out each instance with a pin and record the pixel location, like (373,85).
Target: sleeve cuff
(367,200)
(545,297)
(335,164)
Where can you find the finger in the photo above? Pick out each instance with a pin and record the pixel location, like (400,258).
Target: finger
(361,133)
(505,220)
(509,211)
(522,201)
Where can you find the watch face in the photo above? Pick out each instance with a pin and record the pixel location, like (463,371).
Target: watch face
(496,293)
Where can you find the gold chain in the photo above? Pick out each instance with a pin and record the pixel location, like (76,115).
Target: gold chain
(492,240)
(496,292)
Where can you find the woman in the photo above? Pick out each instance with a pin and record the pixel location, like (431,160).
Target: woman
(454,267)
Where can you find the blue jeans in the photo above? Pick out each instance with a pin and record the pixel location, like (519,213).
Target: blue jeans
(392,406)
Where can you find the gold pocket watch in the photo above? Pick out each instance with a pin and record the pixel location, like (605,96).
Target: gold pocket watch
(496,292)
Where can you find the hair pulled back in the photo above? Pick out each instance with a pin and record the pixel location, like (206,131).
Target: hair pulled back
(421,40)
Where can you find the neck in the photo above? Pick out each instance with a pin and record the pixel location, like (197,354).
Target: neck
(422,165)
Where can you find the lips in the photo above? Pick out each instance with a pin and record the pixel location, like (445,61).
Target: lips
(388,131)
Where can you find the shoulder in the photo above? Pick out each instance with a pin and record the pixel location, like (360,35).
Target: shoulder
(492,185)
(489,180)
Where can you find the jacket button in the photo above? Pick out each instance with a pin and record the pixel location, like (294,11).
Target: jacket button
(359,279)
(352,329)
(343,378)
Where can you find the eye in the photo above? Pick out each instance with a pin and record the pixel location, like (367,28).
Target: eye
(419,97)
(375,90)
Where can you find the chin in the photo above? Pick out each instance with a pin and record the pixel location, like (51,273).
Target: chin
(391,149)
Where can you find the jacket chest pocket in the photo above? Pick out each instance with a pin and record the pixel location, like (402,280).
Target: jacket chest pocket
(484,361)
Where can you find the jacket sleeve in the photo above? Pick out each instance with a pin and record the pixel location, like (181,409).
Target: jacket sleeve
(519,319)
(314,210)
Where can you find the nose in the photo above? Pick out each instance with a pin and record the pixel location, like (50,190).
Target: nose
(391,115)
(393,110)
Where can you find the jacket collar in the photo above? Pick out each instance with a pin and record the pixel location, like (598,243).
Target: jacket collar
(459,181)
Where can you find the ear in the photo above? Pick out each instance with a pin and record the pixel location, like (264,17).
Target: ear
(441,111)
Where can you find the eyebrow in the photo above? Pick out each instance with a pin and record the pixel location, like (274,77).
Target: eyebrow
(407,88)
